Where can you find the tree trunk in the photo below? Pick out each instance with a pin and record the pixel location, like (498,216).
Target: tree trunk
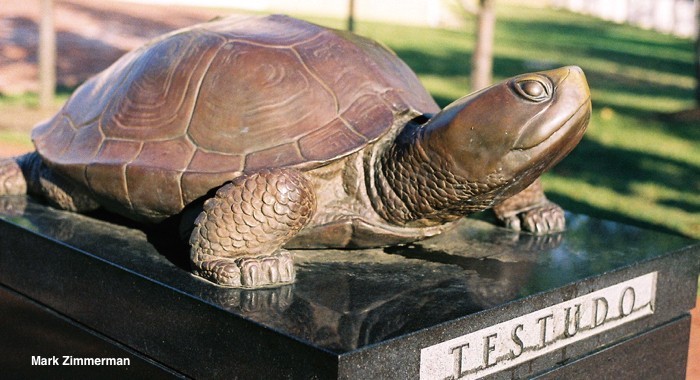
(697,53)
(482,60)
(351,15)
(47,56)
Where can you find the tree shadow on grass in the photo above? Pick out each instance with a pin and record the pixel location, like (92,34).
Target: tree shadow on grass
(615,82)
(620,170)
(687,130)
(598,39)
(617,168)
(579,207)
(457,64)
(447,64)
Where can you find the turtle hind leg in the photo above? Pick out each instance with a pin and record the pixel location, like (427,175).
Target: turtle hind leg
(12,180)
(12,185)
(28,174)
(238,237)
(531,211)
(63,193)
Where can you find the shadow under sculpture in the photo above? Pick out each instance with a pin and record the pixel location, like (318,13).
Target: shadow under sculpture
(269,132)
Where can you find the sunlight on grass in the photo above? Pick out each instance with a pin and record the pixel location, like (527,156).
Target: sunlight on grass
(29,99)
(644,136)
(644,205)
(658,103)
(18,138)
(446,87)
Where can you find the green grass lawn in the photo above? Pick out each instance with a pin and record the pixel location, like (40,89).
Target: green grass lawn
(633,165)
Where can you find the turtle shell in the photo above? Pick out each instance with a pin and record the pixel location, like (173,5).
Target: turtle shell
(193,109)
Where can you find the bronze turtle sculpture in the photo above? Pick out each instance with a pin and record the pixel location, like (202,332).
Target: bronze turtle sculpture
(280,133)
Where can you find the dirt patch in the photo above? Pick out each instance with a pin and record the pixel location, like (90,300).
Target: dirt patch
(90,35)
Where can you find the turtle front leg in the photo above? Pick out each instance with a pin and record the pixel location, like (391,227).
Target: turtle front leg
(238,237)
(531,211)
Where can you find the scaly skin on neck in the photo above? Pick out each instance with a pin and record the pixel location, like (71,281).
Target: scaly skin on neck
(416,186)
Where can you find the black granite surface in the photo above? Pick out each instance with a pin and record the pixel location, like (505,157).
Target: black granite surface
(358,314)
(29,330)
(658,354)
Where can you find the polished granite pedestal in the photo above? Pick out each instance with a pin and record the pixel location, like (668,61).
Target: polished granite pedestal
(600,300)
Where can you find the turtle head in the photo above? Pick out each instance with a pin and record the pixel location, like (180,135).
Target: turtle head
(511,132)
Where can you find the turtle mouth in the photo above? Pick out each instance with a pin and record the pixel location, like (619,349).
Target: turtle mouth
(524,165)
(577,120)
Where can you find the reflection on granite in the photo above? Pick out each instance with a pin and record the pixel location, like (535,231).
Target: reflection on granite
(344,300)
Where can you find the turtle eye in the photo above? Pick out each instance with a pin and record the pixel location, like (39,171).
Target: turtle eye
(533,89)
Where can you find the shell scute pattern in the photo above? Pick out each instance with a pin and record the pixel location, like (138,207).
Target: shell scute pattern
(255,113)
(220,99)
(270,31)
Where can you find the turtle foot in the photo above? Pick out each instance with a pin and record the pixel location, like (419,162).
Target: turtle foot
(543,219)
(13,205)
(12,180)
(249,272)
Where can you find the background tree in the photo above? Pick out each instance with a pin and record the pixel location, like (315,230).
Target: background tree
(697,54)
(482,59)
(47,55)
(351,15)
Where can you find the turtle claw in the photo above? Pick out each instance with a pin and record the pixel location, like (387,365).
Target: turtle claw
(544,219)
(512,222)
(250,272)
(266,271)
